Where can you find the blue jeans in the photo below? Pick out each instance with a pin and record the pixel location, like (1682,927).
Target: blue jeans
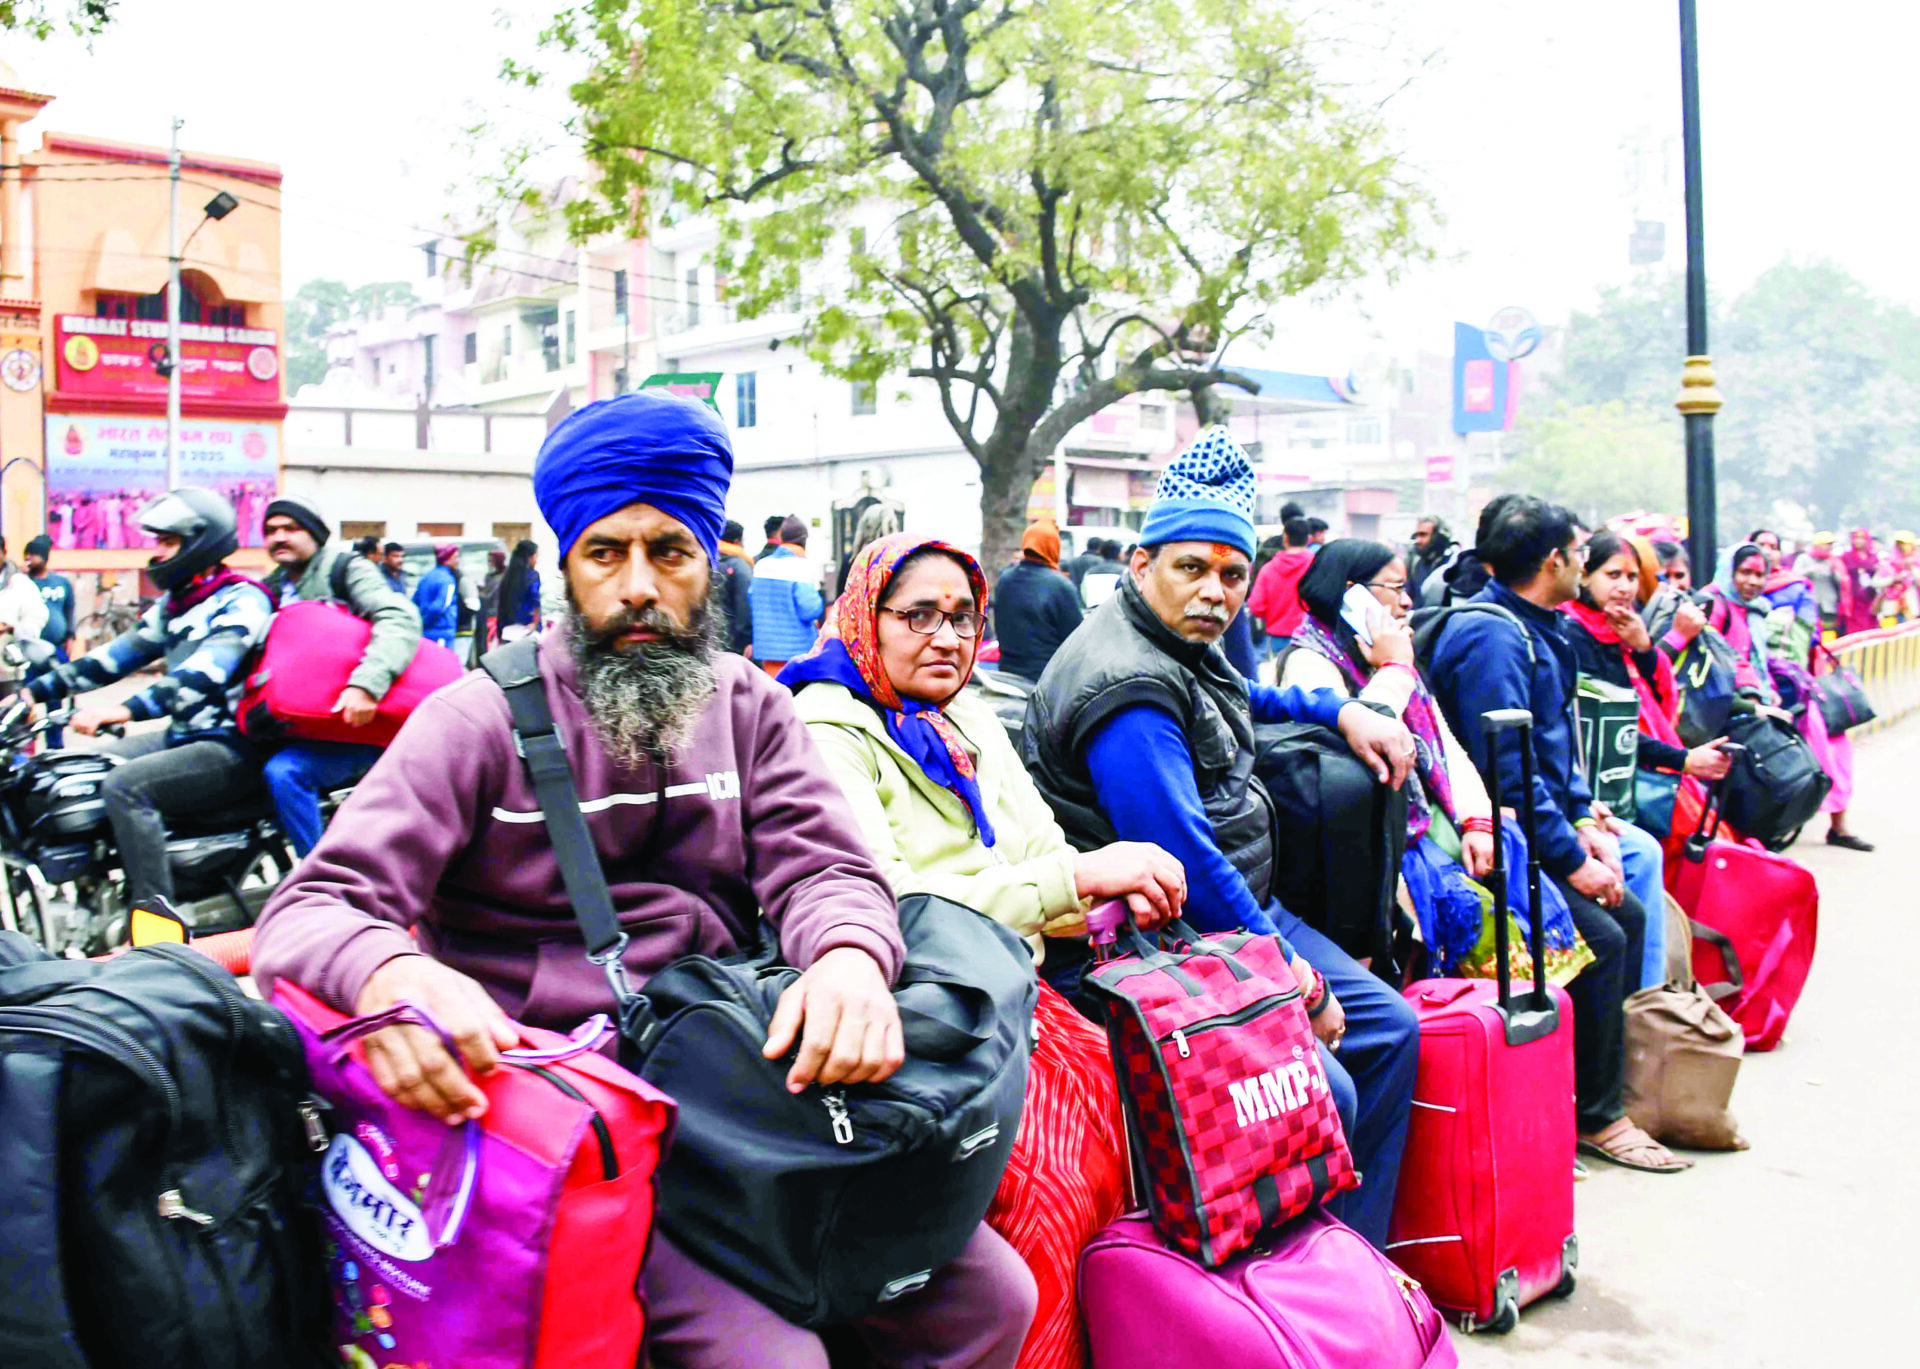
(1643,861)
(1372,1076)
(299,772)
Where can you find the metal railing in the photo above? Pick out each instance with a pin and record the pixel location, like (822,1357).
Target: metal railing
(1888,663)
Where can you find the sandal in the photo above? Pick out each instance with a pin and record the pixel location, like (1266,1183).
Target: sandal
(1624,1144)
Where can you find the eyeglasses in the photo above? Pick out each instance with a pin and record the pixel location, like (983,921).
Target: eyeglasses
(1390,586)
(927,621)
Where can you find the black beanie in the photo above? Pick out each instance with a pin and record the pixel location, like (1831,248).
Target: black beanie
(41,546)
(302,513)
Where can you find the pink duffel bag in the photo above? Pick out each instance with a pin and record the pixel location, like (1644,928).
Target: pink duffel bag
(311,651)
(1315,1295)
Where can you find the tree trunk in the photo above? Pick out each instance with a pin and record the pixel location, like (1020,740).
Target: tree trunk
(1006,486)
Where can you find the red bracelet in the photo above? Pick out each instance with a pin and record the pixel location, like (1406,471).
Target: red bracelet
(1478,825)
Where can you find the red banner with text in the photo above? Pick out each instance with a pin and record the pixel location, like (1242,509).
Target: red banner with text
(113,358)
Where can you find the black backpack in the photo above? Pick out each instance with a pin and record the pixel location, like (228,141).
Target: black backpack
(831,1203)
(158,1145)
(1775,785)
(1343,834)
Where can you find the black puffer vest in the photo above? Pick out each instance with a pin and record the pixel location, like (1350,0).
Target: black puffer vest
(1123,655)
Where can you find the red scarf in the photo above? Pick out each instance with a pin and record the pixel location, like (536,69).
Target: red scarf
(1659,698)
(204,586)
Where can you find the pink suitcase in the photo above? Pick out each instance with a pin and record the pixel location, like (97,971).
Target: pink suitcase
(1484,1213)
(310,651)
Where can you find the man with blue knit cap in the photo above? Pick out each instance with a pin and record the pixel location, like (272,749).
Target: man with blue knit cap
(1140,730)
(709,810)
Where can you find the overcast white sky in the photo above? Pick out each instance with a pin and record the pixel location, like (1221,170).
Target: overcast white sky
(1520,129)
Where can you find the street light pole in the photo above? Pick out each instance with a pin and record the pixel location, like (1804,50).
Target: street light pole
(1699,400)
(173,309)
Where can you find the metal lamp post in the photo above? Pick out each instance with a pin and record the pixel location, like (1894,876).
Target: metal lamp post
(218,207)
(1699,400)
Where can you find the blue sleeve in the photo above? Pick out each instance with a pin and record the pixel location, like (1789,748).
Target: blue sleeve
(809,602)
(1143,775)
(1479,667)
(1293,704)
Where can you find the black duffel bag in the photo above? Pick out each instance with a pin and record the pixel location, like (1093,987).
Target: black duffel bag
(1842,697)
(1775,784)
(1341,836)
(159,1147)
(831,1203)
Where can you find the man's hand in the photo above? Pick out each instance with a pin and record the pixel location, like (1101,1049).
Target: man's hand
(1331,1024)
(1152,882)
(846,1020)
(1383,743)
(1688,619)
(1601,845)
(1598,883)
(1476,853)
(355,706)
(88,721)
(1709,762)
(1392,645)
(1629,625)
(410,1064)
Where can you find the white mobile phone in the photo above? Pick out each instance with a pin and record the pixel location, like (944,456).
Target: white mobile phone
(1361,612)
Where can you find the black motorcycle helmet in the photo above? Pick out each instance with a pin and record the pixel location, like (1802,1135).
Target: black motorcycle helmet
(205,525)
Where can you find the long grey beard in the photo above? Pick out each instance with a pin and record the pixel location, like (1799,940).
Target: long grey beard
(644,703)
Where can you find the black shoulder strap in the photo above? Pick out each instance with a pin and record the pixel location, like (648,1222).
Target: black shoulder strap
(337,579)
(516,669)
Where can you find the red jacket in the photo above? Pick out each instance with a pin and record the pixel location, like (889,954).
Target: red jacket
(1275,600)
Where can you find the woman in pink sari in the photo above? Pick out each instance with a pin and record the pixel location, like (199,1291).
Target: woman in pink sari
(1859,590)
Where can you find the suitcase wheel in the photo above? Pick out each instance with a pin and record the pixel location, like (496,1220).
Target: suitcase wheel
(1505,1317)
(1564,1289)
(1569,1262)
(1506,1307)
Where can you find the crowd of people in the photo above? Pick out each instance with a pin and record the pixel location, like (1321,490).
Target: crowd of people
(747,751)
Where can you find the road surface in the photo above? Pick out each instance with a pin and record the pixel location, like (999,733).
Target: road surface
(1800,1251)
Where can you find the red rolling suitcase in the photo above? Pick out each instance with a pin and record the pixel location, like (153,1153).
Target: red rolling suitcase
(1067,1177)
(1484,1213)
(1766,909)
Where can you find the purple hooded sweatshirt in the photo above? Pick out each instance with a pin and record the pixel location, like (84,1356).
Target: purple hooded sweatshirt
(445,836)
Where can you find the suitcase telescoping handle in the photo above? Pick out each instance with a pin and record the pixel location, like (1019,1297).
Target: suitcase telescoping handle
(1535,1015)
(1708,827)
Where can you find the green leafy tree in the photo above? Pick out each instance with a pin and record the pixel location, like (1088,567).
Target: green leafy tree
(41,19)
(1599,460)
(316,307)
(1821,382)
(1088,199)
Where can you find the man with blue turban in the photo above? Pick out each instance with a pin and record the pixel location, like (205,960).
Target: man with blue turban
(1140,730)
(709,809)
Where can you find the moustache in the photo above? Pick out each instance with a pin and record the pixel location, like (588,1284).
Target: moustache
(1211,613)
(601,636)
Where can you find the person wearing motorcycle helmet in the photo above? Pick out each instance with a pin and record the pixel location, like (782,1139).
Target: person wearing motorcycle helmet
(206,625)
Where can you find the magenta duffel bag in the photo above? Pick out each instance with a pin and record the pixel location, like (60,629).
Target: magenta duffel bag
(1228,1102)
(1316,1296)
(311,651)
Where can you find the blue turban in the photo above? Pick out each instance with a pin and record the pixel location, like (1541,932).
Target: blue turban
(648,447)
(1204,495)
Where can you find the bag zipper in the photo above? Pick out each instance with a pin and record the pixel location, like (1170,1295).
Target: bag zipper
(1178,1036)
(609,1161)
(835,1102)
(124,1047)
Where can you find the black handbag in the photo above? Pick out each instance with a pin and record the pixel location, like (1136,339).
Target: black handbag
(827,1204)
(1842,696)
(1704,675)
(1775,784)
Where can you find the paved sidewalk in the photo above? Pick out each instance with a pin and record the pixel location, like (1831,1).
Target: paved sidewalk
(1800,1251)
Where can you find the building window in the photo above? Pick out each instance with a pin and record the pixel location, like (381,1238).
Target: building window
(432,250)
(1364,432)
(428,348)
(693,298)
(570,338)
(512,534)
(353,532)
(470,348)
(746,399)
(865,397)
(506,341)
(442,529)
(620,294)
(619,380)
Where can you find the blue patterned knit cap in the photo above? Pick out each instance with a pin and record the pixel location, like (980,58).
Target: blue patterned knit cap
(1205,495)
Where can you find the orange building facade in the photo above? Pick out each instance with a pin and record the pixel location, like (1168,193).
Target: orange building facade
(83,322)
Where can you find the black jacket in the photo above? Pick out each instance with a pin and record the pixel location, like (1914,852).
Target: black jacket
(1122,655)
(1034,610)
(1604,661)
(736,578)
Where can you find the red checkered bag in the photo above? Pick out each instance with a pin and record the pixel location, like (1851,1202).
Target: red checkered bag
(1230,1112)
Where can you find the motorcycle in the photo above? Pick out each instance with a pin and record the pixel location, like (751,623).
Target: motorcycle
(1006,694)
(60,866)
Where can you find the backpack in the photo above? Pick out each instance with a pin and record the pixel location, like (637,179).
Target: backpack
(160,1140)
(1344,833)
(826,1205)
